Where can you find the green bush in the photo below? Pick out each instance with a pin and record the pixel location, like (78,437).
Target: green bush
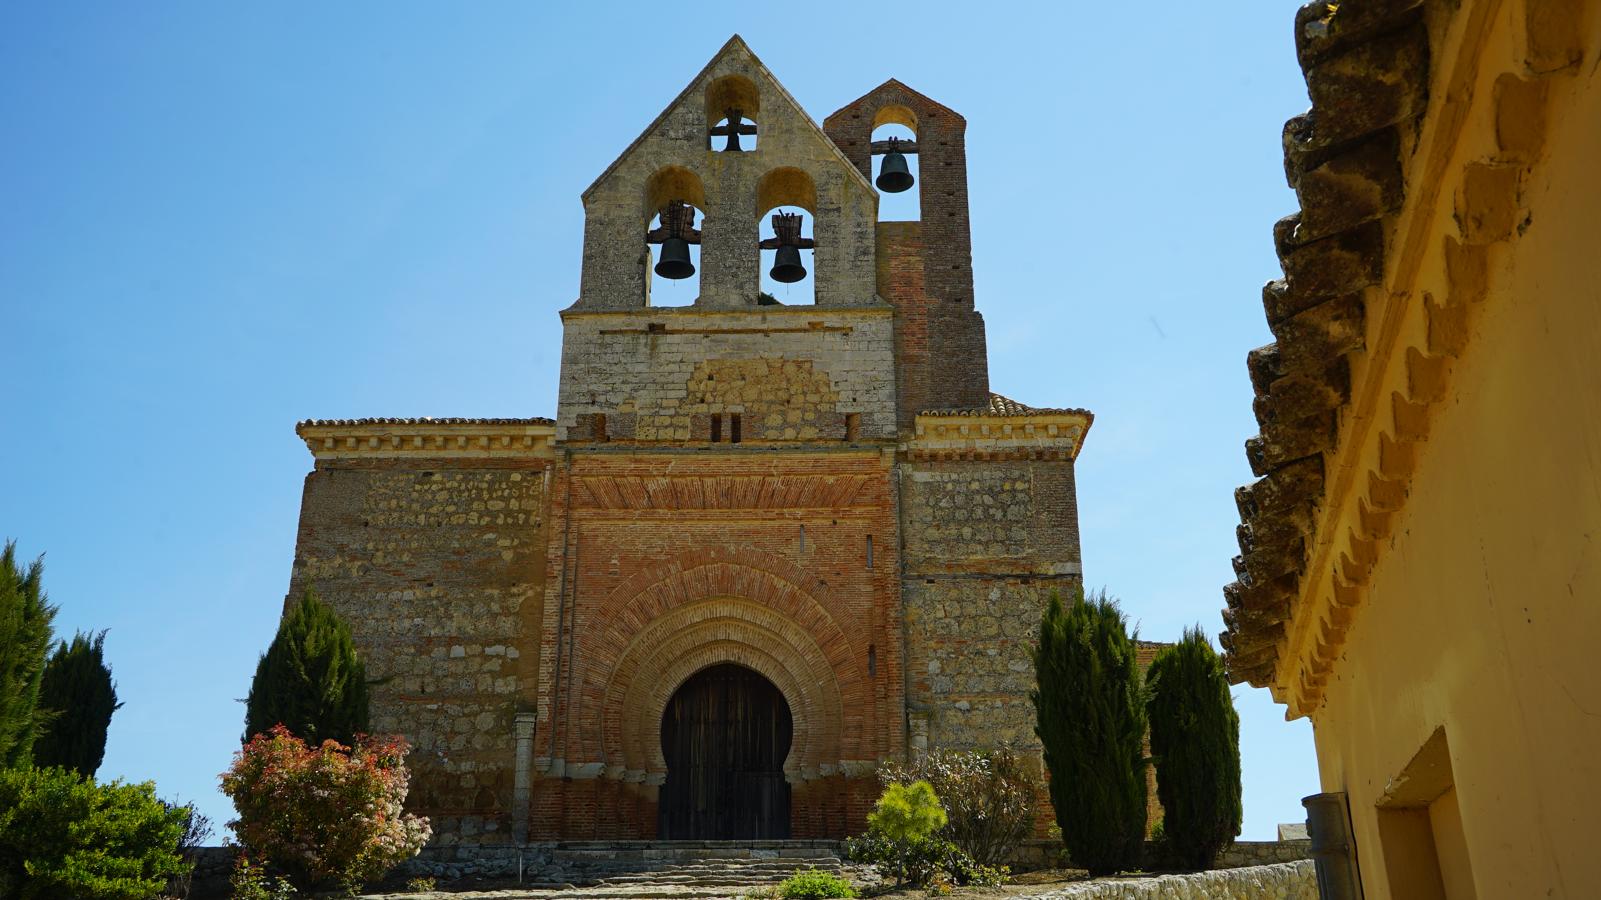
(907,812)
(310,680)
(901,841)
(920,861)
(1195,742)
(78,689)
(249,881)
(1090,713)
(988,797)
(62,835)
(814,885)
(25,636)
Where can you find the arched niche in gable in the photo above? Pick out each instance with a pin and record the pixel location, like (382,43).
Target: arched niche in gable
(788,190)
(894,122)
(733,111)
(674,205)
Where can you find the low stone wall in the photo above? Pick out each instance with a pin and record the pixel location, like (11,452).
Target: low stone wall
(212,867)
(1048,854)
(214,864)
(477,861)
(1262,853)
(1284,881)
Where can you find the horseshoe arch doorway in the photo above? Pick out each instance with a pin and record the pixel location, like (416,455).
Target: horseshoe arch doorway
(725,734)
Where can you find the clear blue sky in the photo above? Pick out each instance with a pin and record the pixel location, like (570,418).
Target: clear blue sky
(217,219)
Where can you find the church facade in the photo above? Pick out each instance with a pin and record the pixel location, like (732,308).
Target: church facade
(759,548)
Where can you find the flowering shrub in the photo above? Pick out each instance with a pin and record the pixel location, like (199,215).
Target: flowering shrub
(324,815)
(988,797)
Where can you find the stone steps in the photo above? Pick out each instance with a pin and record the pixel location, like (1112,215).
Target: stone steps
(683,868)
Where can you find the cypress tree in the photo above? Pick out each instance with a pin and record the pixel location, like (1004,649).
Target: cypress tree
(1091,720)
(25,637)
(310,680)
(77,686)
(1195,739)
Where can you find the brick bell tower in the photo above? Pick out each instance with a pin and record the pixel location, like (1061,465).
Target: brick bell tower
(925,267)
(760,548)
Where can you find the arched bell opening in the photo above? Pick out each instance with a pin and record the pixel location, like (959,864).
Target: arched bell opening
(674,207)
(786,205)
(732,107)
(895,168)
(725,734)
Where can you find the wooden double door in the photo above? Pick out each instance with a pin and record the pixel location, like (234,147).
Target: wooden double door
(725,734)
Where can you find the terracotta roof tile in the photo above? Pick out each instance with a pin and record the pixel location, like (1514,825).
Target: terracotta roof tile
(422,420)
(1004,406)
(1366,69)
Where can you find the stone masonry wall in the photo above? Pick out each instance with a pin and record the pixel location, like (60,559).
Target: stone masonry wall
(991,517)
(986,543)
(438,567)
(659,375)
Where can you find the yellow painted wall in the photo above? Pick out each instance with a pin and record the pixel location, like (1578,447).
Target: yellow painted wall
(1484,609)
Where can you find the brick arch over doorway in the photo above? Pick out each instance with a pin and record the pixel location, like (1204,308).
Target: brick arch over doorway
(675,646)
(672,619)
(671,616)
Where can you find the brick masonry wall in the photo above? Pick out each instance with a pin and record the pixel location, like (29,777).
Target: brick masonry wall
(438,567)
(900,281)
(652,384)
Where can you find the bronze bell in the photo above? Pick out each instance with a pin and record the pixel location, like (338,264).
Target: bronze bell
(787,267)
(893,175)
(675,262)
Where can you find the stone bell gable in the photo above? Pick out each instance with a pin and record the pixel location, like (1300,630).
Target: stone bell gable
(794,164)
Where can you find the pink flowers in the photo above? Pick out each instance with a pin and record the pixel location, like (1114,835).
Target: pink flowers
(330,814)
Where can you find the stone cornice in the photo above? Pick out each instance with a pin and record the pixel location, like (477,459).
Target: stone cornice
(1039,435)
(429,438)
(878,309)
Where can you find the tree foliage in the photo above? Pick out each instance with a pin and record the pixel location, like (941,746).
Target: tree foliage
(25,636)
(78,690)
(1090,713)
(1195,740)
(907,812)
(310,680)
(62,835)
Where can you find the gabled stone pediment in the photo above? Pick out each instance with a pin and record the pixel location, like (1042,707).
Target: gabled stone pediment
(689,108)
(793,163)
